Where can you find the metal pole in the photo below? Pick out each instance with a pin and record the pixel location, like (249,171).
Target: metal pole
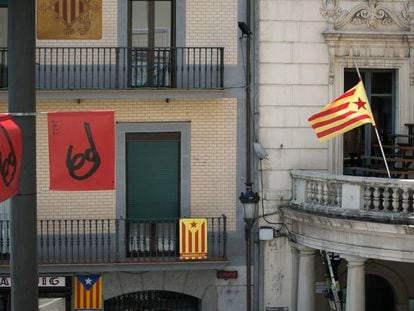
(376,130)
(21,60)
(249,225)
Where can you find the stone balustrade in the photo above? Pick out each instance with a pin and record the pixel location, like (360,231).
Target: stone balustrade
(367,194)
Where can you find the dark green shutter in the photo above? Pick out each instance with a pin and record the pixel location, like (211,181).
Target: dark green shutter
(153,172)
(4,3)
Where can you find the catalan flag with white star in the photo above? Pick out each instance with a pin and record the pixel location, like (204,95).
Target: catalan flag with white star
(88,292)
(343,114)
(193,238)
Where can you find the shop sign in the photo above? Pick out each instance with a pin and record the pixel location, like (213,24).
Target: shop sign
(44,281)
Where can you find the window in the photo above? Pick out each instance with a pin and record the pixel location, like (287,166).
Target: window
(3,24)
(153,188)
(151,23)
(153,178)
(132,134)
(150,38)
(380,89)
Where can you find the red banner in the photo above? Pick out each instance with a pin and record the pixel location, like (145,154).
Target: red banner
(10,156)
(81,150)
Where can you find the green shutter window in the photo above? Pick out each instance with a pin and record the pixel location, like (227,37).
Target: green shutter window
(153,175)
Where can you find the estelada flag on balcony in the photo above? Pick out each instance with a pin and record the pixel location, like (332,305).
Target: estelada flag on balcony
(10,156)
(193,238)
(343,114)
(81,150)
(88,292)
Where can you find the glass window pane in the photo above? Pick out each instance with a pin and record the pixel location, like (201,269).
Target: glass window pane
(162,23)
(3,27)
(382,111)
(351,79)
(139,23)
(381,83)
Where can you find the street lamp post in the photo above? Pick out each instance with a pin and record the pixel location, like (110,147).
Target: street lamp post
(249,200)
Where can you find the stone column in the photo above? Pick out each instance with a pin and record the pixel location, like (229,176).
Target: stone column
(355,285)
(306,278)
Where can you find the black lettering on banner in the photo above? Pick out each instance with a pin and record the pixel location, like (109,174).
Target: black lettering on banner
(8,164)
(78,160)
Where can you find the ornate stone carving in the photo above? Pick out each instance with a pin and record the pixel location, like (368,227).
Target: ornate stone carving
(331,11)
(371,14)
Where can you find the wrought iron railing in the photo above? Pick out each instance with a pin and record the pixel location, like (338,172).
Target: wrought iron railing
(114,240)
(69,68)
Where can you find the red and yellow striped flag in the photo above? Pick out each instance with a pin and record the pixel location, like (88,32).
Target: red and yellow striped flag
(193,238)
(343,114)
(88,292)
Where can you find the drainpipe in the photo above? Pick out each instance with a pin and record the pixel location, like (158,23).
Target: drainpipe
(248,98)
(249,284)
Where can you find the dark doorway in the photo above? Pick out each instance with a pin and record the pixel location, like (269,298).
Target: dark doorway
(361,142)
(153,300)
(379,295)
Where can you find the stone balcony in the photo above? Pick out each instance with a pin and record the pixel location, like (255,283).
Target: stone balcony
(357,216)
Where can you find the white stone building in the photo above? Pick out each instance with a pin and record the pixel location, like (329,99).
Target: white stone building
(308,51)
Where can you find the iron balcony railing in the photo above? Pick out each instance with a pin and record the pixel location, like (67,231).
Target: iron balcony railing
(83,241)
(70,68)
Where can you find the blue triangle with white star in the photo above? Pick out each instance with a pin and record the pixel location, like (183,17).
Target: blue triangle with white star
(88,280)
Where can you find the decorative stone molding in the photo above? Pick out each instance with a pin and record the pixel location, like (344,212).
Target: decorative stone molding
(370,14)
(367,47)
(373,14)
(331,11)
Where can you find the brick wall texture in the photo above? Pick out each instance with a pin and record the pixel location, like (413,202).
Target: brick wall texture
(212,148)
(213,23)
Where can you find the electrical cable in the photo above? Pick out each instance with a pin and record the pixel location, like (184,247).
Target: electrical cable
(281,224)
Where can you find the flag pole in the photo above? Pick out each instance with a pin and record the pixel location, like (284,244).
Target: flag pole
(376,130)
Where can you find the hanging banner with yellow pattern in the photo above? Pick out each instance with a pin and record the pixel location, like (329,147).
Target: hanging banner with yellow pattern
(69,19)
(193,238)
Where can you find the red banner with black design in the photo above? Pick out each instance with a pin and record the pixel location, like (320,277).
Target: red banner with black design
(81,150)
(10,156)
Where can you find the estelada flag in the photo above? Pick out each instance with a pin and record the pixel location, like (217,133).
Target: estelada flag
(81,150)
(343,114)
(88,292)
(10,156)
(193,238)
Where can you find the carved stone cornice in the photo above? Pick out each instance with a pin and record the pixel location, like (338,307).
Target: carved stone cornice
(371,14)
(369,47)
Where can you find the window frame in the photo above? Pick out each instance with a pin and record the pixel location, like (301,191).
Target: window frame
(121,130)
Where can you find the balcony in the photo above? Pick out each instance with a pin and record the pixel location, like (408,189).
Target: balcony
(118,68)
(363,216)
(115,241)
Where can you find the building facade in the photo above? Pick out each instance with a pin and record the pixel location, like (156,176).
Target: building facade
(309,51)
(174,74)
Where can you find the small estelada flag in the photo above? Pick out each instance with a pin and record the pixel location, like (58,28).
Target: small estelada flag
(10,156)
(88,292)
(81,150)
(193,238)
(343,114)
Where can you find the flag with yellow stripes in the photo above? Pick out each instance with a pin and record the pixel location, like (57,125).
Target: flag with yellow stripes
(193,238)
(88,292)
